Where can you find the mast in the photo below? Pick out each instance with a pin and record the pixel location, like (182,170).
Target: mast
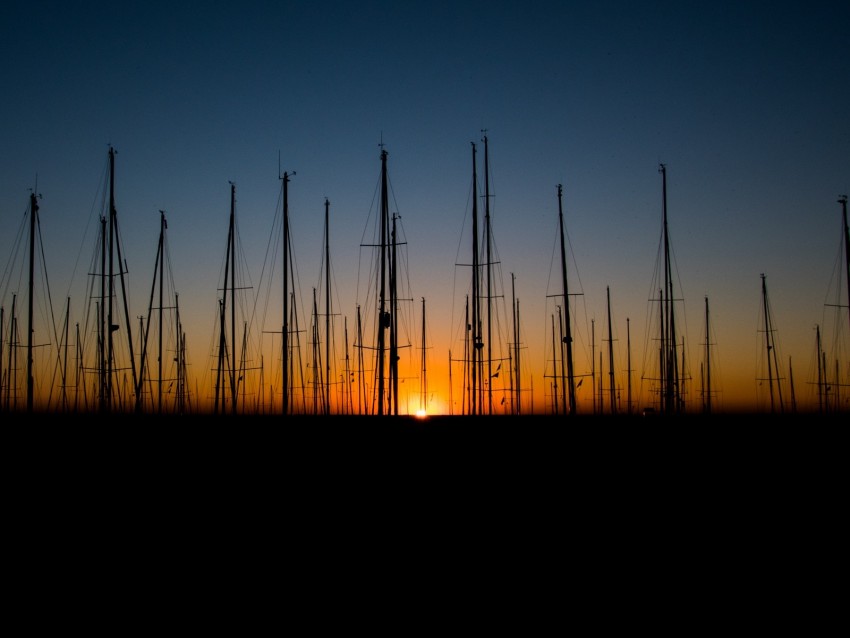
(555,352)
(285,330)
(229,273)
(475,405)
(517,409)
(103,389)
(158,268)
(612,390)
(843,201)
(820,370)
(561,349)
(33,215)
(593,363)
(383,316)
(628,368)
(362,398)
(487,237)
(423,383)
(770,349)
(671,394)
(568,338)
(109,283)
(232,257)
(64,358)
(394,390)
(318,385)
(707,401)
(327,407)
(111,326)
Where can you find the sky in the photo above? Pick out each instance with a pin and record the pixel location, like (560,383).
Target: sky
(747,104)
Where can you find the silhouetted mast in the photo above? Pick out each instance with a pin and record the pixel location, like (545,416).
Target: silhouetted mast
(115,246)
(707,362)
(843,201)
(423,389)
(516,377)
(33,216)
(568,338)
(671,399)
(612,390)
(487,236)
(475,407)
(285,330)
(327,406)
(383,315)
(770,349)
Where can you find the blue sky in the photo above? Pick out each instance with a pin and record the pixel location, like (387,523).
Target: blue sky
(747,104)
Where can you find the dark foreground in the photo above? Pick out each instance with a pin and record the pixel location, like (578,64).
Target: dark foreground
(500,443)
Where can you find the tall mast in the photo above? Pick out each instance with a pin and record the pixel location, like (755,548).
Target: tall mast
(612,389)
(162,226)
(109,283)
(843,201)
(628,368)
(232,249)
(487,237)
(158,265)
(285,329)
(423,383)
(103,401)
(393,319)
(770,349)
(111,326)
(517,408)
(568,338)
(383,315)
(707,362)
(671,391)
(327,407)
(477,344)
(33,215)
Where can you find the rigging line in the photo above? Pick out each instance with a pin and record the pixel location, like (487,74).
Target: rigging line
(271,246)
(101,190)
(13,257)
(46,281)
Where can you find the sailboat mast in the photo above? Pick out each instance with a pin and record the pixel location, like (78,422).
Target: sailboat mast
(707,362)
(232,253)
(394,382)
(768,346)
(628,368)
(475,406)
(383,316)
(162,226)
(771,349)
(327,406)
(102,390)
(568,338)
(285,329)
(671,376)
(423,395)
(487,237)
(612,389)
(843,201)
(515,381)
(109,284)
(64,358)
(556,352)
(145,328)
(820,370)
(33,215)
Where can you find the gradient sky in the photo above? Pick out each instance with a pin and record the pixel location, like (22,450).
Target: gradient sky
(746,103)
